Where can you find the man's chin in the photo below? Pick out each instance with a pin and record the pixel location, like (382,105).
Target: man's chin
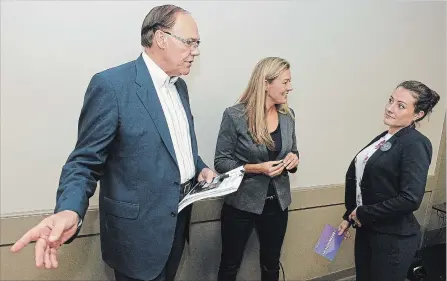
(185,71)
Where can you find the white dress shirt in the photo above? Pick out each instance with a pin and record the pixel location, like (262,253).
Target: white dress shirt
(175,117)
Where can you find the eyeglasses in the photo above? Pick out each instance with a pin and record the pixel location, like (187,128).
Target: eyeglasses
(192,43)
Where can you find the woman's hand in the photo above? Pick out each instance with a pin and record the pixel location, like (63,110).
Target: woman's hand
(291,161)
(272,168)
(353,216)
(343,228)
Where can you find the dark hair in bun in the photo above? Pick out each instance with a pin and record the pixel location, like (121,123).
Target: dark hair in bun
(426,98)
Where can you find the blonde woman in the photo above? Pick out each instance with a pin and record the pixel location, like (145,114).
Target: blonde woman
(258,133)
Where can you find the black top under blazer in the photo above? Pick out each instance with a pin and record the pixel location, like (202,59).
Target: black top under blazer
(235,147)
(393,184)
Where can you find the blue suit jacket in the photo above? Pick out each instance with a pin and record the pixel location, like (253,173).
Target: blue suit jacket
(124,142)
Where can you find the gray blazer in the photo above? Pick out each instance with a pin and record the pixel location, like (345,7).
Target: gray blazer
(235,147)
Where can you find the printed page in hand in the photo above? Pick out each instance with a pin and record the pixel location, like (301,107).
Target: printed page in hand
(221,185)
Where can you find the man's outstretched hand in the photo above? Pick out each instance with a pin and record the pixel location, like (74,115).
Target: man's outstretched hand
(49,235)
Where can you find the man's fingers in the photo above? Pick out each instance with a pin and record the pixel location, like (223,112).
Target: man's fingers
(66,235)
(47,258)
(206,175)
(209,176)
(32,235)
(40,248)
(53,257)
(200,177)
(56,230)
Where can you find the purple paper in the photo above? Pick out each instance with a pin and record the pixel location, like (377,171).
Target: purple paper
(329,242)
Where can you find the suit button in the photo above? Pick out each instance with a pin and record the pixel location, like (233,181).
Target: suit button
(173,214)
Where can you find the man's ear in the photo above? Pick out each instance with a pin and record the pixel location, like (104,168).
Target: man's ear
(160,39)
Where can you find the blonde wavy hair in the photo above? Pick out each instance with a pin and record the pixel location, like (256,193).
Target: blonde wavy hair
(255,94)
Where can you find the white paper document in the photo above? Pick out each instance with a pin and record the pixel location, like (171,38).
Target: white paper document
(221,185)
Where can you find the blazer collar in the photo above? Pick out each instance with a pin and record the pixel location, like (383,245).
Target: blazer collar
(404,131)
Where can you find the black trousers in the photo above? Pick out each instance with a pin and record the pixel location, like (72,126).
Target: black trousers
(383,257)
(169,271)
(236,228)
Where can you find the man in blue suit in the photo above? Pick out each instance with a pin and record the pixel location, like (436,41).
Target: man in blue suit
(136,136)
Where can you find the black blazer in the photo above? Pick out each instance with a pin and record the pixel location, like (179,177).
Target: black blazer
(393,184)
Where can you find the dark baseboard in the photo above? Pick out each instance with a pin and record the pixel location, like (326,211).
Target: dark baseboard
(336,275)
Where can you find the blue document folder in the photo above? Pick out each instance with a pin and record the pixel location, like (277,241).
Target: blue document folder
(329,242)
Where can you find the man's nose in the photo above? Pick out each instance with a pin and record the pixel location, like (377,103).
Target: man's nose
(195,51)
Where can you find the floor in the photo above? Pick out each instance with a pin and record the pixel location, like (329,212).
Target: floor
(351,278)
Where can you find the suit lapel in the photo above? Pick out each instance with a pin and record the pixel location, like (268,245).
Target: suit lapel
(379,152)
(183,97)
(148,96)
(371,142)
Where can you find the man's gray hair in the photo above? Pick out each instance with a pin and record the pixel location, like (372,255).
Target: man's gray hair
(160,17)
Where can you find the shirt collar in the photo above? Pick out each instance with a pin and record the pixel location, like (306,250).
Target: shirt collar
(159,77)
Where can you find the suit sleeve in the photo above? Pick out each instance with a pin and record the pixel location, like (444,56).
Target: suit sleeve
(200,165)
(415,162)
(96,130)
(350,202)
(224,158)
(294,146)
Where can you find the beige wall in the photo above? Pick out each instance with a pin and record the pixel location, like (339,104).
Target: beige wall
(310,210)
(433,220)
(439,192)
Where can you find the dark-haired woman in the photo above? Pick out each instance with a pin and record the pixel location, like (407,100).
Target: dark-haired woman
(385,184)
